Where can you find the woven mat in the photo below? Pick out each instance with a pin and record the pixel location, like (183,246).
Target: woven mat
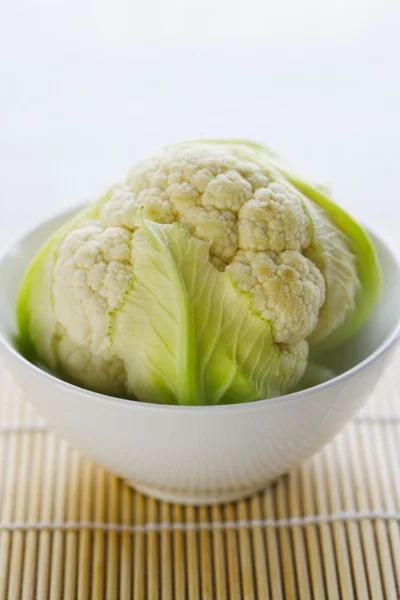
(330,529)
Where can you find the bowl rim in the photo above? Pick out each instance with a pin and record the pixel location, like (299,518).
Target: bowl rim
(52,380)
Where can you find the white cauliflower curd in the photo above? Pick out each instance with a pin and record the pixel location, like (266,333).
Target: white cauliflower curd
(201,279)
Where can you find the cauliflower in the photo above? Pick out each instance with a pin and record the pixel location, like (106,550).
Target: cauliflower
(201,279)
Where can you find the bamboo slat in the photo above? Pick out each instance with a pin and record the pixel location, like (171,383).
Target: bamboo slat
(330,529)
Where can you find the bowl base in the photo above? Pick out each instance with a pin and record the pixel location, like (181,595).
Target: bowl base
(191,498)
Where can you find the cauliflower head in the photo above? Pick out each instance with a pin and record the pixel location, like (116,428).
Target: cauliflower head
(201,279)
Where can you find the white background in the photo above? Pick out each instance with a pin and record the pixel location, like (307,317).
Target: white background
(89,87)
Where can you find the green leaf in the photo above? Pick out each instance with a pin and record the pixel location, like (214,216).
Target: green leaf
(368,269)
(35,314)
(185,333)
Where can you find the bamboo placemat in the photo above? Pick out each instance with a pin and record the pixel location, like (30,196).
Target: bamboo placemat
(330,529)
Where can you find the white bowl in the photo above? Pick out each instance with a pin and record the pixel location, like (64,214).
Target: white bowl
(202,454)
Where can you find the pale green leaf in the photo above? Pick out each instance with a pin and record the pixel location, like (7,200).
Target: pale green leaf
(185,333)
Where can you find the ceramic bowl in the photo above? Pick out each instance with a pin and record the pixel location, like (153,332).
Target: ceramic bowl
(204,454)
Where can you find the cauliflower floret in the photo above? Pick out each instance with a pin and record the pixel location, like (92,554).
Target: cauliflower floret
(287,289)
(230,201)
(293,360)
(228,191)
(125,208)
(89,369)
(274,220)
(196,176)
(121,209)
(91,276)
(216,226)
